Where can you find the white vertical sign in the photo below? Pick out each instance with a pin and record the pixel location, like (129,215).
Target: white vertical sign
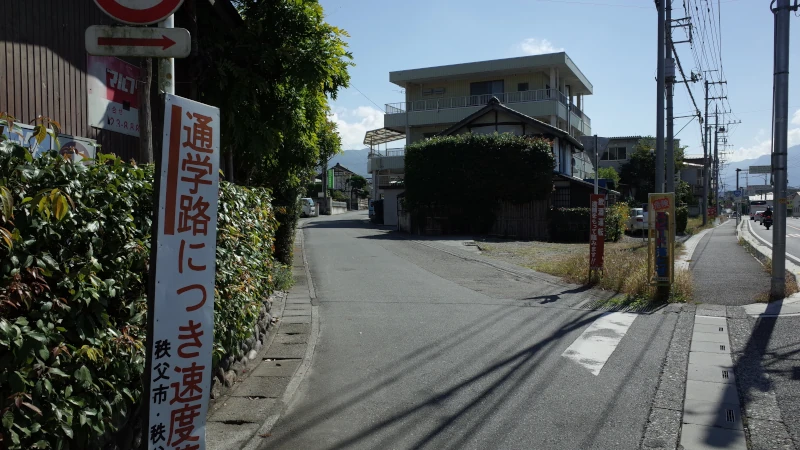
(183,317)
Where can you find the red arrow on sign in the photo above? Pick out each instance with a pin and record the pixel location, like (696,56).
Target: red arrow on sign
(164,42)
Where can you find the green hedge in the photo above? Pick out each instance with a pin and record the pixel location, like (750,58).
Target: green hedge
(74,248)
(464,177)
(572,224)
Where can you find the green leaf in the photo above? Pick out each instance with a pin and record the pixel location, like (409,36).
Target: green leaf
(59,372)
(44,353)
(84,376)
(61,206)
(8,419)
(67,430)
(41,444)
(39,133)
(93,226)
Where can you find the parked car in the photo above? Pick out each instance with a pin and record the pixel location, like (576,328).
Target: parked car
(637,220)
(309,207)
(757,216)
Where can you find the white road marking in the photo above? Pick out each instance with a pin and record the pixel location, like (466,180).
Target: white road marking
(596,344)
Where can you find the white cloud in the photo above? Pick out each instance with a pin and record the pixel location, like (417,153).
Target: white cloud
(353,124)
(796,118)
(536,46)
(764,146)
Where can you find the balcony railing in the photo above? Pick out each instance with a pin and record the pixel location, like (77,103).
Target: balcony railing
(388,152)
(389,180)
(433,104)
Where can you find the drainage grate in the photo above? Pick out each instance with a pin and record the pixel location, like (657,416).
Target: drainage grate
(725,374)
(730,416)
(721,329)
(722,347)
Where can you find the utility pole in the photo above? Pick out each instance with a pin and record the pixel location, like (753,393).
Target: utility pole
(659,182)
(738,200)
(716,160)
(670,85)
(706,150)
(780,140)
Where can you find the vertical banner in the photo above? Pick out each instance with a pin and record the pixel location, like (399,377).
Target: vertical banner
(330,179)
(183,315)
(661,225)
(597,231)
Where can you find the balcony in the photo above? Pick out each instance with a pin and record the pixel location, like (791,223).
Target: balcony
(388,181)
(390,159)
(535,103)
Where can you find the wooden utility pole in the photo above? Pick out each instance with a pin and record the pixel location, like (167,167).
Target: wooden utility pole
(145,113)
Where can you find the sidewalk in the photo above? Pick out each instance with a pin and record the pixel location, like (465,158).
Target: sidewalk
(245,417)
(724,272)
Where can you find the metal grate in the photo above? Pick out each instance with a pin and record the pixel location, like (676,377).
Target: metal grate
(561,198)
(730,416)
(725,374)
(721,329)
(722,347)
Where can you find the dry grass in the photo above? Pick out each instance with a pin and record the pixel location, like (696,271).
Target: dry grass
(625,267)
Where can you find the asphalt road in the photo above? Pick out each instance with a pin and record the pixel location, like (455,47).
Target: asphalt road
(792,235)
(424,348)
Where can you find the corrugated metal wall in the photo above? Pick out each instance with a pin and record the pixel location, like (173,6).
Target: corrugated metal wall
(43,66)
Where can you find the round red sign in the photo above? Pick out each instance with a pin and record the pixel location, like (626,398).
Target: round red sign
(139,12)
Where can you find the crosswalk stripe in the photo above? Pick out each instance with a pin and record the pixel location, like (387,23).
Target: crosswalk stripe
(596,344)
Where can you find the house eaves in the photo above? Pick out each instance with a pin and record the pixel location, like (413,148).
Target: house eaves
(498,67)
(495,105)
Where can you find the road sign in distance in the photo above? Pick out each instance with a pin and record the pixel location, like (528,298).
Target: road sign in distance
(737,193)
(139,12)
(760,169)
(135,41)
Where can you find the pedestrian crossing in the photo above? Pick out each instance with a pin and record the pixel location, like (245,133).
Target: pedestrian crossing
(594,347)
(794,235)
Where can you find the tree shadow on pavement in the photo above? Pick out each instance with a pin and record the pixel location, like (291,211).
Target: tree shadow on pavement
(518,365)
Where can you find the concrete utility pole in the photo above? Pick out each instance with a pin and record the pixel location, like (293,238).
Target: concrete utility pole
(669,76)
(780,140)
(716,160)
(597,167)
(659,182)
(706,176)
(738,200)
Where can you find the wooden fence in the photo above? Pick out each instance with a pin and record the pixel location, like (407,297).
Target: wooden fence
(524,221)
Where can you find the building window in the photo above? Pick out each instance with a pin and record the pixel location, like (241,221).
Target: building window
(615,154)
(522,87)
(486,87)
(561,197)
(433,91)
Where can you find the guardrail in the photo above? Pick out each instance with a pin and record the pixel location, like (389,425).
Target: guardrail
(388,152)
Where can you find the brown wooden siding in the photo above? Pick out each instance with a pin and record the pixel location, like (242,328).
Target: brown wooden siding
(43,66)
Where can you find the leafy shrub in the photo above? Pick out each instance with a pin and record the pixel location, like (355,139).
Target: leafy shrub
(616,218)
(681,219)
(339,196)
(465,177)
(72,298)
(573,224)
(73,273)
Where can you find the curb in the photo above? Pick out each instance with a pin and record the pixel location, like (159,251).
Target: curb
(789,306)
(246,414)
(305,365)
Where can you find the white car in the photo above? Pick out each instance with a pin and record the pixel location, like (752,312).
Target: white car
(309,207)
(757,216)
(637,219)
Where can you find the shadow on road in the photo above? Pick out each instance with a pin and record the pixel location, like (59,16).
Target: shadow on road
(513,371)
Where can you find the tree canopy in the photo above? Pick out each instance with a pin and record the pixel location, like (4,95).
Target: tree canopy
(272,78)
(640,171)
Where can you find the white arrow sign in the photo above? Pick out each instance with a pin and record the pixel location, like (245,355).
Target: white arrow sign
(137,41)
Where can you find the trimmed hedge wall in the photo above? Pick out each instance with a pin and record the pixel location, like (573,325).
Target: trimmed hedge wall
(74,249)
(572,224)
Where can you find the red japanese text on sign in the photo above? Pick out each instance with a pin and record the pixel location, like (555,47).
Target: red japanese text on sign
(185,267)
(597,231)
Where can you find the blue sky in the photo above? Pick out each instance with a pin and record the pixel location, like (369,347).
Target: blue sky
(612,41)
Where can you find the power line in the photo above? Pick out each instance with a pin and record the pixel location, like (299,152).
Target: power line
(370,100)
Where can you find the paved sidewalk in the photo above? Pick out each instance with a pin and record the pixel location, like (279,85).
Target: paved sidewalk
(724,272)
(245,417)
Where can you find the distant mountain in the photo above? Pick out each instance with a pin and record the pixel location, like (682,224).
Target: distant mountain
(793,168)
(355,160)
